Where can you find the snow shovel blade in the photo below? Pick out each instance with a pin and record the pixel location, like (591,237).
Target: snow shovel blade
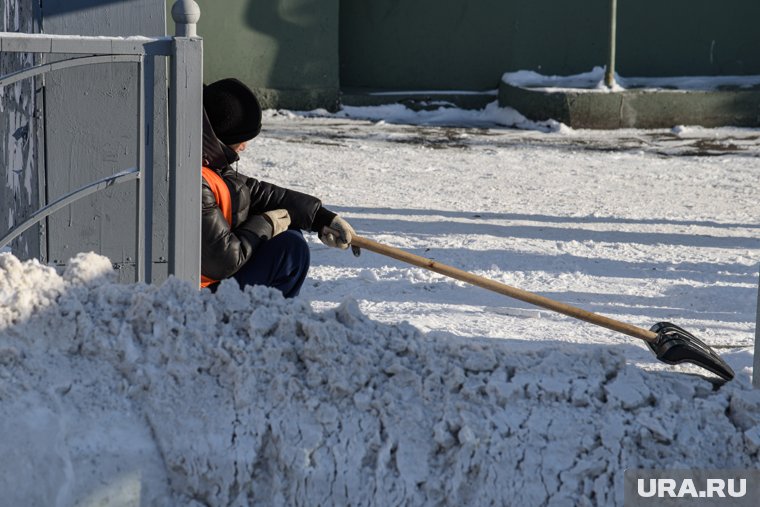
(676,345)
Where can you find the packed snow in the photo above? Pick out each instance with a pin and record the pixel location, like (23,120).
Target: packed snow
(594,81)
(443,113)
(385,384)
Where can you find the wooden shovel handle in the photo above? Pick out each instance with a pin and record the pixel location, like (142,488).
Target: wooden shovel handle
(506,290)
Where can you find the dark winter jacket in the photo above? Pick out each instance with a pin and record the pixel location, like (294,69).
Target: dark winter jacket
(226,247)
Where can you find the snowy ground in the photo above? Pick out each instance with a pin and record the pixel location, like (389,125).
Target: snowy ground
(642,226)
(170,396)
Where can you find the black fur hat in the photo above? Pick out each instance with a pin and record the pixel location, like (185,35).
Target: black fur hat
(233,110)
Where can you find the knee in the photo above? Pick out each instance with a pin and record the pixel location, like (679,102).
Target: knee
(295,245)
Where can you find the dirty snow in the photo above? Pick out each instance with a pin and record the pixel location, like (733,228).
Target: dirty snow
(389,385)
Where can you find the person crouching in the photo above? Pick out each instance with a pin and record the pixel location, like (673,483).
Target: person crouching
(251,229)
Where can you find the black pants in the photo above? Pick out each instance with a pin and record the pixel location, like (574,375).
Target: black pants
(282,263)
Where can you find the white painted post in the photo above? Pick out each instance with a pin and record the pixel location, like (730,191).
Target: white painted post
(186,131)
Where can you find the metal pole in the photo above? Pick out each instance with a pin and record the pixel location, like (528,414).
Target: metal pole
(185,124)
(144,189)
(149,90)
(140,239)
(609,74)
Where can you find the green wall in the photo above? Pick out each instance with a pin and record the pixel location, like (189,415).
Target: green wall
(300,53)
(460,44)
(286,49)
(688,37)
(450,44)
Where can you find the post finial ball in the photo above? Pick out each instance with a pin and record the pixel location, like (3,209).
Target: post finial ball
(186,12)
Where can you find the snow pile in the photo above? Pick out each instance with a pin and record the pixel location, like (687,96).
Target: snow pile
(444,115)
(171,396)
(594,81)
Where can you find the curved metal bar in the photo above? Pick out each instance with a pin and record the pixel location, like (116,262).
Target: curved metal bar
(96,186)
(9,79)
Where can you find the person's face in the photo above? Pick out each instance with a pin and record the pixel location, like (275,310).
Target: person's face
(238,147)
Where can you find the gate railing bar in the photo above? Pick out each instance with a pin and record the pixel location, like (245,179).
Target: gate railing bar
(13,77)
(96,186)
(144,259)
(12,42)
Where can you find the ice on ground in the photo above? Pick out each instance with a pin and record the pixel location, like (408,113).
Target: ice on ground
(164,395)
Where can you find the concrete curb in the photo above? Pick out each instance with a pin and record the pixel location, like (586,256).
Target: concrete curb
(661,108)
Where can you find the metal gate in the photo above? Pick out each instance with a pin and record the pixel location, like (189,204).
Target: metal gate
(184,52)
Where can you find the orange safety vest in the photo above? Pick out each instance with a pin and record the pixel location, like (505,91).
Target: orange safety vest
(223,200)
